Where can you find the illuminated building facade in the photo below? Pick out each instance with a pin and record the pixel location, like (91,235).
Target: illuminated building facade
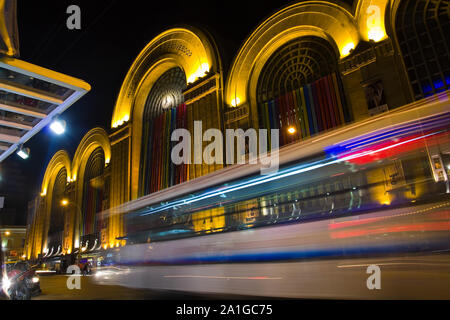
(311,67)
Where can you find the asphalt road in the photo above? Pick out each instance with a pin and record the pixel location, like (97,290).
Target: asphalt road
(409,277)
(417,277)
(55,288)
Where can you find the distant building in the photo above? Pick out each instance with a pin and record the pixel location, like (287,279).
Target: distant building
(13,242)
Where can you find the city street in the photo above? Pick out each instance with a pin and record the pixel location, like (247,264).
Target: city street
(55,288)
(400,278)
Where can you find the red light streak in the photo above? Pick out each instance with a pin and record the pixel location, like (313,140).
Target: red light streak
(391,148)
(427,226)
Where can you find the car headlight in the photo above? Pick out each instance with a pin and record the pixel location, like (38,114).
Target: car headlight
(6,283)
(35,279)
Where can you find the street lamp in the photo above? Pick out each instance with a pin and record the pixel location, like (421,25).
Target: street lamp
(292,130)
(66,203)
(24,153)
(58,126)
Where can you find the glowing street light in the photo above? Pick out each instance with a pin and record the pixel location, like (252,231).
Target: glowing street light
(24,153)
(292,130)
(58,126)
(65,203)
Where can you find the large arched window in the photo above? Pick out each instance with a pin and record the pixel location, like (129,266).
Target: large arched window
(93,194)
(56,228)
(299,90)
(164,112)
(422,28)
(294,65)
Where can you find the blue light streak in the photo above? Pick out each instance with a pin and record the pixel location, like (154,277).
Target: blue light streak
(277,176)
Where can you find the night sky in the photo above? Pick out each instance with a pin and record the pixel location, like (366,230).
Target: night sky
(112,34)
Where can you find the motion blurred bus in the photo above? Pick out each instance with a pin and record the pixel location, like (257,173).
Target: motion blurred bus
(374,192)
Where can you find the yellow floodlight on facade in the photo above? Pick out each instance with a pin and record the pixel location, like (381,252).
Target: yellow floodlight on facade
(202,71)
(370,19)
(235,102)
(347,49)
(376,34)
